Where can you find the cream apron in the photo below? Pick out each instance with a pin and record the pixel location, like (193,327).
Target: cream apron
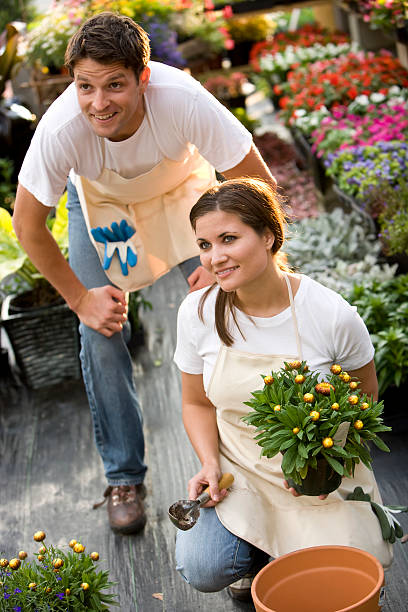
(156,205)
(258,508)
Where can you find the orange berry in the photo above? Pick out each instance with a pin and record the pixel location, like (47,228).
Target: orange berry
(85,586)
(296,430)
(67,592)
(358,424)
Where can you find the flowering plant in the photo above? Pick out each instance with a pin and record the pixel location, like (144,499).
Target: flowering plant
(48,35)
(338,81)
(275,66)
(359,169)
(197,19)
(226,87)
(253,28)
(305,419)
(305,36)
(56,581)
(386,14)
(344,129)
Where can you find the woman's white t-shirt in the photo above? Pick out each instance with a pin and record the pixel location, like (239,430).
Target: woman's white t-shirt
(331,331)
(183,113)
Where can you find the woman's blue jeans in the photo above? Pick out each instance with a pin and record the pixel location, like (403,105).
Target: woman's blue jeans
(210,558)
(107,367)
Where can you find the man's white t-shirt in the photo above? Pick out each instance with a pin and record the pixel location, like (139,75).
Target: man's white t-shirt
(183,112)
(331,331)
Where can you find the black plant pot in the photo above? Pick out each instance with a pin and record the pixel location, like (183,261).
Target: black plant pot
(45,342)
(239,55)
(321,481)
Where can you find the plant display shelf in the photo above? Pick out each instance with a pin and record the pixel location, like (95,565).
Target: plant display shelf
(351,204)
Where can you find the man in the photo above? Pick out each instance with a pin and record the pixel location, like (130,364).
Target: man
(140,141)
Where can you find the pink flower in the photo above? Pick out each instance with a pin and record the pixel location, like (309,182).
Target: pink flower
(229,43)
(209,5)
(227,12)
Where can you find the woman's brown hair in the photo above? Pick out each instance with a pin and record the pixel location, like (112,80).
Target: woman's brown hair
(257,204)
(108,38)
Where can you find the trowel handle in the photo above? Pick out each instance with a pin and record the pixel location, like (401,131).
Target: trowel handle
(225,482)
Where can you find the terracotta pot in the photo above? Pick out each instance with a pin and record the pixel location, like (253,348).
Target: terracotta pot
(320,579)
(321,481)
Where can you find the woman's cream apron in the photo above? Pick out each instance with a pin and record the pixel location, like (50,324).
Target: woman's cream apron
(258,508)
(157,205)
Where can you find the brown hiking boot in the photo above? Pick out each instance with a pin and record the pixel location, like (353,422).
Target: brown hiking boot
(125,508)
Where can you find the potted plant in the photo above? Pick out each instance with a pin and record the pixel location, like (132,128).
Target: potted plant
(322,428)
(40,327)
(245,31)
(55,580)
(230,89)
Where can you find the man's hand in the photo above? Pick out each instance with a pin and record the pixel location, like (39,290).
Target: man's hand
(103,309)
(200,278)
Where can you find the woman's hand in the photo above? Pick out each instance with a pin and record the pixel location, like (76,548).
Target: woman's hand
(295,493)
(207,476)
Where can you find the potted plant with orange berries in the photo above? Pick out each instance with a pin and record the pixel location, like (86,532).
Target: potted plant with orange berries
(322,427)
(55,580)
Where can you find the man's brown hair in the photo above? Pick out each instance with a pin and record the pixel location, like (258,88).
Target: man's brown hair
(108,38)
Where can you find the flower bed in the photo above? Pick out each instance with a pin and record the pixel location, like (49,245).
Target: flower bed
(338,81)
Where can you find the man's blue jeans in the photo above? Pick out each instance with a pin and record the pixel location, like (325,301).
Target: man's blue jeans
(107,367)
(210,558)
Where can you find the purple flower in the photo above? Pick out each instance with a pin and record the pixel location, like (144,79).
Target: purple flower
(60,595)
(6,595)
(18,591)
(17,608)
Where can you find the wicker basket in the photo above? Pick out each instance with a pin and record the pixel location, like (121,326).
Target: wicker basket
(45,343)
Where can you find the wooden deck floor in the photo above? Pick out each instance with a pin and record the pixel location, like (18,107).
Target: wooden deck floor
(50,475)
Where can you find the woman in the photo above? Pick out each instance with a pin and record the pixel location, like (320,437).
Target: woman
(256,316)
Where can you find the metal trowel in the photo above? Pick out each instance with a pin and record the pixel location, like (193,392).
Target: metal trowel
(185,512)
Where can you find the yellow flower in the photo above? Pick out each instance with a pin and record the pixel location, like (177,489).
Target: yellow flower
(14,564)
(268,380)
(299,379)
(296,430)
(32,586)
(324,388)
(353,385)
(364,406)
(79,548)
(293,365)
(358,424)
(57,563)
(39,536)
(276,408)
(4,562)
(67,592)
(42,550)
(315,415)
(308,398)
(41,557)
(94,556)
(85,586)
(335,369)
(345,377)
(335,406)
(72,543)
(22,554)
(353,399)
(328,442)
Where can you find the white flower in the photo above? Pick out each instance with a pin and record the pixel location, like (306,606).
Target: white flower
(377,98)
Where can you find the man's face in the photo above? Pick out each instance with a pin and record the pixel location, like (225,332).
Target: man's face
(110,97)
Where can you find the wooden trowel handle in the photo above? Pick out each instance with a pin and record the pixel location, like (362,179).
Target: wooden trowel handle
(224,483)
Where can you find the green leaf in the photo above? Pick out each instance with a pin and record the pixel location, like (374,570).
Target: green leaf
(336,465)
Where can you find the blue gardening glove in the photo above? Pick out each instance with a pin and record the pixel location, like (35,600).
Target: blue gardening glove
(390,527)
(117,240)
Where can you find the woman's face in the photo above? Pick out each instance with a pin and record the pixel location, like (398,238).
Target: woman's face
(232,251)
